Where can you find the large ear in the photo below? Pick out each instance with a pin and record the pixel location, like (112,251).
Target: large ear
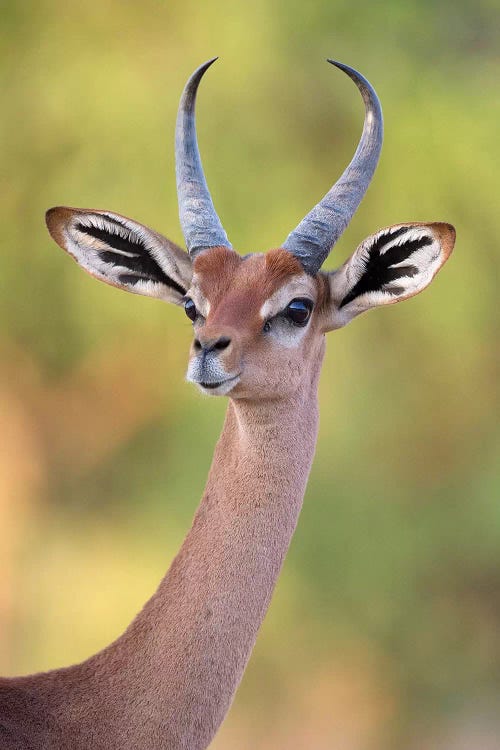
(390,266)
(122,252)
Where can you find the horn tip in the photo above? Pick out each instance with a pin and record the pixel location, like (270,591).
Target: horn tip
(199,72)
(341,66)
(210,62)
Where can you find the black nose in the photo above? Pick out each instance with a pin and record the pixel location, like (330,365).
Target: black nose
(211,345)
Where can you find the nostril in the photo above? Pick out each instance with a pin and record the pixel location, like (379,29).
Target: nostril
(197,345)
(222,343)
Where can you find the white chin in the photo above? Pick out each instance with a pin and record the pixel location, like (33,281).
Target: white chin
(218,389)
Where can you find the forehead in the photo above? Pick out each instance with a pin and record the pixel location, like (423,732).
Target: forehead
(220,273)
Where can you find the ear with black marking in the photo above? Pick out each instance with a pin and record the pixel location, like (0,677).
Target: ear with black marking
(122,252)
(390,266)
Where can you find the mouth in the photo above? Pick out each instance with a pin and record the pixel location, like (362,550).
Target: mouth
(219,387)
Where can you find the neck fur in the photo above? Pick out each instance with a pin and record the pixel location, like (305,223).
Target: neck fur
(169,680)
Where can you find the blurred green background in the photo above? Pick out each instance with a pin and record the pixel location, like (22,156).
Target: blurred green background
(385,628)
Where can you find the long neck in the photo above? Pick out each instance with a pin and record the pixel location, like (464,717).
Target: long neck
(175,670)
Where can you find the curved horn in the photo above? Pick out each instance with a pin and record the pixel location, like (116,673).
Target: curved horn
(200,224)
(315,236)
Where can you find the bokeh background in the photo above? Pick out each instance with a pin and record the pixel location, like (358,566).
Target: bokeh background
(384,631)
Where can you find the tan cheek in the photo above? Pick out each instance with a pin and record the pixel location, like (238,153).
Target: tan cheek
(270,369)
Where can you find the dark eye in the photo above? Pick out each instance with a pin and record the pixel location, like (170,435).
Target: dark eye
(299,311)
(190,309)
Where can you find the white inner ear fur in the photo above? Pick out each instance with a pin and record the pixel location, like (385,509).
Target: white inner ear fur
(427,260)
(153,243)
(87,251)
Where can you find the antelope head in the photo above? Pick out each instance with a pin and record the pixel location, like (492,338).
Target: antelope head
(259,320)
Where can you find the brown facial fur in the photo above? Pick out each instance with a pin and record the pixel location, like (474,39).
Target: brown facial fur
(242,285)
(236,289)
